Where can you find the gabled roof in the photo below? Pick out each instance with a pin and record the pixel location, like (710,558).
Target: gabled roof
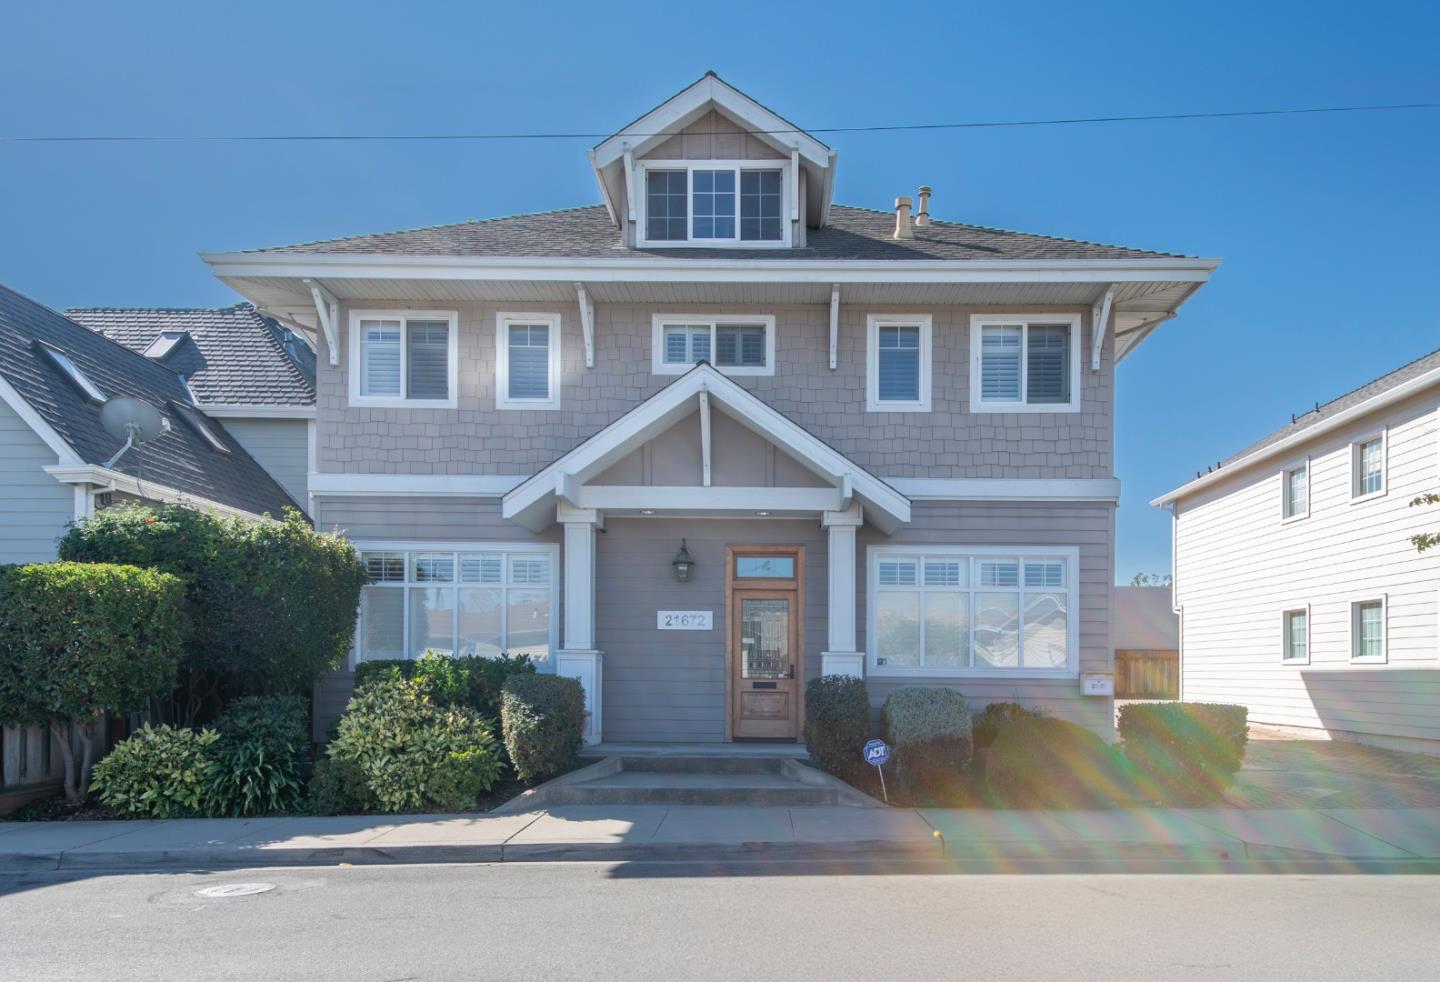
(180,460)
(852,233)
(234,355)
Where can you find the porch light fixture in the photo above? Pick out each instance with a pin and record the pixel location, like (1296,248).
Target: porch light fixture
(683,564)
(647,511)
(763,514)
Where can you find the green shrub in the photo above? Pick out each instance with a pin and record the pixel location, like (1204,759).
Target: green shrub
(271,603)
(544,722)
(1042,762)
(338,786)
(78,640)
(469,681)
(929,730)
(259,761)
(988,723)
(1186,752)
(402,740)
(159,773)
(837,723)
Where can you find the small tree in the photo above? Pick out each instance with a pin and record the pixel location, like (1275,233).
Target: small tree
(79,640)
(1151,579)
(1425,540)
(271,603)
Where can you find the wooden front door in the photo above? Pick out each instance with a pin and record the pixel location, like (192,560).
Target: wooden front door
(765,643)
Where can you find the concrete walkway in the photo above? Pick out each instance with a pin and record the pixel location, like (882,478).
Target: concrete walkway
(1348,837)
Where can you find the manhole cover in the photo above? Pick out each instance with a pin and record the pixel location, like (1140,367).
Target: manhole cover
(235,890)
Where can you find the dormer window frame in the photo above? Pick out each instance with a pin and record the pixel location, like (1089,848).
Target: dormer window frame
(642,184)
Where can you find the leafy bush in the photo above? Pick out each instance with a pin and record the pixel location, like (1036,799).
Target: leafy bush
(339,787)
(988,723)
(1185,751)
(544,721)
(403,741)
(159,773)
(1043,762)
(929,729)
(469,681)
(271,603)
(259,760)
(837,723)
(78,640)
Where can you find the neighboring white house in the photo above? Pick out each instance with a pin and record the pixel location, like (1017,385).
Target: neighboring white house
(1300,594)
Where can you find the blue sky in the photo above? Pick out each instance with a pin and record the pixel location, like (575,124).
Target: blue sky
(1325,223)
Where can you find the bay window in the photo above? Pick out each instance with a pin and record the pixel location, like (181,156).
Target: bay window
(707,202)
(1025,363)
(946,610)
(403,358)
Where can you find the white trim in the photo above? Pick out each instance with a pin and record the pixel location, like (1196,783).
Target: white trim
(408,485)
(834,326)
(658,323)
(1006,489)
(1285,612)
(1071,556)
(63,451)
(312,464)
(705,439)
(83,502)
(1285,515)
(587,323)
(327,312)
(873,402)
(1383,435)
(451,317)
(112,480)
(841,601)
(625,498)
(644,167)
(503,320)
(1383,600)
(978,322)
(1099,322)
(239,410)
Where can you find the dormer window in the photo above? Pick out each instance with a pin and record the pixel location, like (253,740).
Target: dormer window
(714,203)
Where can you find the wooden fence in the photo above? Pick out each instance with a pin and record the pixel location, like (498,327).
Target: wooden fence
(32,766)
(1147,675)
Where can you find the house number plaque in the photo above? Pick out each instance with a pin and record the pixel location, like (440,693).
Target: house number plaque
(683,620)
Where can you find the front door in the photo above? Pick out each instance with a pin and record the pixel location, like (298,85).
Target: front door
(765,646)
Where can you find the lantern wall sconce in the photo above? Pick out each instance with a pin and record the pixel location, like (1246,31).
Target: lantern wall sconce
(683,564)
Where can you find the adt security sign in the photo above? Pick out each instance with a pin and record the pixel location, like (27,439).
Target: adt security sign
(877,753)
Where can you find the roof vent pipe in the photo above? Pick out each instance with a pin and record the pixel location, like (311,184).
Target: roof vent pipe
(922,217)
(902,218)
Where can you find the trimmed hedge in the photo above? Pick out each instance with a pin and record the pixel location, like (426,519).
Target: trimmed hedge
(162,772)
(271,603)
(469,681)
(544,722)
(837,723)
(929,729)
(987,724)
(1042,762)
(1185,751)
(259,760)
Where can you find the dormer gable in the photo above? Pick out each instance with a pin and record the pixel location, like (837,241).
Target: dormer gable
(712,168)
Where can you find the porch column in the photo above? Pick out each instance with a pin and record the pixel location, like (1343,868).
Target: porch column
(578,658)
(840,656)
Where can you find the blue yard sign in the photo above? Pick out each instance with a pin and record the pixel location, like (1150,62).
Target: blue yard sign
(877,755)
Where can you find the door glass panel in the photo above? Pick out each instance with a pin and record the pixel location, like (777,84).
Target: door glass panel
(764,639)
(765,567)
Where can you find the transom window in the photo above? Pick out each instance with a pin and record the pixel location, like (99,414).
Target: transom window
(898,370)
(1025,363)
(709,202)
(483,602)
(1296,635)
(765,567)
(1297,491)
(527,361)
(735,345)
(948,611)
(403,358)
(1368,467)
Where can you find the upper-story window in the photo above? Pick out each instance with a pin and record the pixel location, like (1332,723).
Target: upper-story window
(527,361)
(739,345)
(714,203)
(1025,363)
(1367,466)
(1296,489)
(897,349)
(403,358)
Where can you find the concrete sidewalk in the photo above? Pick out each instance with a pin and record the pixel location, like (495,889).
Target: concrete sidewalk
(1409,837)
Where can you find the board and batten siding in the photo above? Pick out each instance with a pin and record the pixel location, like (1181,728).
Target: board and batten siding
(34,507)
(1239,566)
(281,447)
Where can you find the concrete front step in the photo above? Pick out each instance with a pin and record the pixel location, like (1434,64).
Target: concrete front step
(687,788)
(702,765)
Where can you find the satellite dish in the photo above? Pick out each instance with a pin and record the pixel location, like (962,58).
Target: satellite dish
(132,420)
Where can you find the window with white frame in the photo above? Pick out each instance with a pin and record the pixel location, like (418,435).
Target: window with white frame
(403,358)
(1368,467)
(898,356)
(527,361)
(740,345)
(1296,484)
(1367,630)
(1296,635)
(941,611)
(714,203)
(1025,363)
(472,601)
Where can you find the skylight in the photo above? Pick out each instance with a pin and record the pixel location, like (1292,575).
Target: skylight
(71,371)
(201,426)
(163,345)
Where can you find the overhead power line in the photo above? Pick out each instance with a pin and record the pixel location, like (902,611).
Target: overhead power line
(882,128)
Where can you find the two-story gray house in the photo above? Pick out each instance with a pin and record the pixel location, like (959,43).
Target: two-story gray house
(717,434)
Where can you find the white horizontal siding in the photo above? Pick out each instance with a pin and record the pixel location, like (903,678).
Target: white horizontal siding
(1238,566)
(34,507)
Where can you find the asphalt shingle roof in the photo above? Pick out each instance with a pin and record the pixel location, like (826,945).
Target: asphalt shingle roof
(852,233)
(181,459)
(235,355)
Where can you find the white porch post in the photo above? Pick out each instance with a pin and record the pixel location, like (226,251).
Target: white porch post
(840,656)
(578,658)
